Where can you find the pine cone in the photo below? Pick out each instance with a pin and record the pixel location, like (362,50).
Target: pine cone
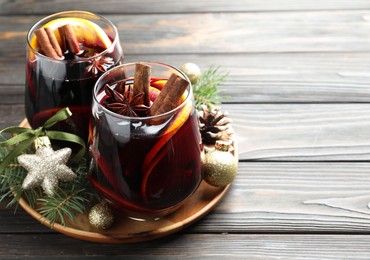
(214,125)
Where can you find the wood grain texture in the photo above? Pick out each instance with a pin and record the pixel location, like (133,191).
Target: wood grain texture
(292,132)
(300,102)
(203,246)
(295,198)
(253,78)
(316,31)
(297,132)
(11,115)
(170,6)
(270,197)
(19,222)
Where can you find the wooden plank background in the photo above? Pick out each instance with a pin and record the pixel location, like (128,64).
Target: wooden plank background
(240,32)
(253,78)
(286,132)
(253,246)
(299,96)
(267,63)
(169,6)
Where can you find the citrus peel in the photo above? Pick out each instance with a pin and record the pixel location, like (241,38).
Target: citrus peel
(157,152)
(158,83)
(87,32)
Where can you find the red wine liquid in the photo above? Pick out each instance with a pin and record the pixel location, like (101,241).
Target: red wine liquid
(53,85)
(120,170)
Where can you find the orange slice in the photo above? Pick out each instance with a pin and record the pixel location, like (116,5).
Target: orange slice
(158,83)
(87,32)
(157,153)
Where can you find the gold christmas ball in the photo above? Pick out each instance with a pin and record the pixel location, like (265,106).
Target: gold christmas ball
(101,216)
(219,168)
(192,71)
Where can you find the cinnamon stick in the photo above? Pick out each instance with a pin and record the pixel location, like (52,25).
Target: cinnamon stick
(70,38)
(63,44)
(54,42)
(162,95)
(173,96)
(45,44)
(142,81)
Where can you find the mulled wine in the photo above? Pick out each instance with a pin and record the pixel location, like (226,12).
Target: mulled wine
(67,52)
(145,162)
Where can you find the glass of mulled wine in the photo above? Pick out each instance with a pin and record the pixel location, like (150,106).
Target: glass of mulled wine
(66,53)
(145,145)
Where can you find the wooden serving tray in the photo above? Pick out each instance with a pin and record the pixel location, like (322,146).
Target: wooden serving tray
(126,230)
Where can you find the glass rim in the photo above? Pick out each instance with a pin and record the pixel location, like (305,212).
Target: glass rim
(81,59)
(144,118)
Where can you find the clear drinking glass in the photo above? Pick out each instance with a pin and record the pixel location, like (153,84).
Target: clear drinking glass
(144,168)
(52,84)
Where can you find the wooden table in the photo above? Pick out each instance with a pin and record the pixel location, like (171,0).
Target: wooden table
(299,97)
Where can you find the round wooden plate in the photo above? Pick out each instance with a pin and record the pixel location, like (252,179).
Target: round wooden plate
(126,230)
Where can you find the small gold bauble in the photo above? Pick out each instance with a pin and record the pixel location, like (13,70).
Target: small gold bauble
(192,71)
(101,216)
(219,168)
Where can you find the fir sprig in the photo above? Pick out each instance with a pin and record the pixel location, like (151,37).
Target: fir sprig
(61,205)
(69,200)
(11,186)
(76,197)
(206,90)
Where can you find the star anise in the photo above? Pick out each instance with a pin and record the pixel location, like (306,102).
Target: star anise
(101,63)
(126,103)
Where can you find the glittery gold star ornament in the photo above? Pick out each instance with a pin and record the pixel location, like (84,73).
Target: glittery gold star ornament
(46,166)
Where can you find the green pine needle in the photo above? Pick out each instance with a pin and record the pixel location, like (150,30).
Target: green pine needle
(70,199)
(76,197)
(61,205)
(206,90)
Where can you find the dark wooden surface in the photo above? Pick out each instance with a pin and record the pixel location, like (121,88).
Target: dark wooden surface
(299,97)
